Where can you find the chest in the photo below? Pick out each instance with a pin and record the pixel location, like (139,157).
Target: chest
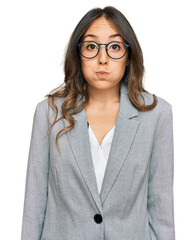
(102,121)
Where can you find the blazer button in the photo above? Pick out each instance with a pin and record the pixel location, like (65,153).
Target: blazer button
(98,218)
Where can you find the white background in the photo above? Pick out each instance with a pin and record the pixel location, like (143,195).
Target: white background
(34,35)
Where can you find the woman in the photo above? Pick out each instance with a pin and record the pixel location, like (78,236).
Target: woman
(101,156)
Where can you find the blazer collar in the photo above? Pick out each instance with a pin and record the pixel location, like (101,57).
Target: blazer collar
(125,130)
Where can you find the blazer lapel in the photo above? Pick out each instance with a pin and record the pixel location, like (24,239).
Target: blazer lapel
(80,146)
(124,134)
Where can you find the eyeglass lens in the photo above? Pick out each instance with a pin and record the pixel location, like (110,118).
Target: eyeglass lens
(90,49)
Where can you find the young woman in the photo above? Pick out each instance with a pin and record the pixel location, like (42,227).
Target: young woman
(101,158)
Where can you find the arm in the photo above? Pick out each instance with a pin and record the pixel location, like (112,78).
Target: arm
(160,186)
(36,177)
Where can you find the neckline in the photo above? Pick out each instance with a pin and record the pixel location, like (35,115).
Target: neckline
(105,137)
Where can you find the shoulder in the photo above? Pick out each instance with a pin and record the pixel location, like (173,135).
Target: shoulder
(162,103)
(43,108)
(148,99)
(44,103)
(161,112)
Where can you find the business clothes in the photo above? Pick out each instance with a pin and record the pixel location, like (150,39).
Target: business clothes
(62,201)
(100,154)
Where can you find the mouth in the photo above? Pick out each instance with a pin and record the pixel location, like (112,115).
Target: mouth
(102,73)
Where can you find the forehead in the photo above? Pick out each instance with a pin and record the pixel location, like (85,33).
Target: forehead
(102,27)
(102,23)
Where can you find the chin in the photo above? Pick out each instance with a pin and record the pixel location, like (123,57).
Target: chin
(104,85)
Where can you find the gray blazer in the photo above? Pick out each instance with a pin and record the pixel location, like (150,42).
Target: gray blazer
(136,200)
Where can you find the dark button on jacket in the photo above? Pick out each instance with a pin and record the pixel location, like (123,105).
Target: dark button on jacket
(98,218)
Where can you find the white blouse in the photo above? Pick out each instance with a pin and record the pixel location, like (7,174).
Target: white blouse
(100,153)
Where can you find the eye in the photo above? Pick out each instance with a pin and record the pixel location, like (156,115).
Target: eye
(115,47)
(91,46)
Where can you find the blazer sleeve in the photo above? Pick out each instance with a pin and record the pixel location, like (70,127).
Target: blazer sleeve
(35,200)
(160,203)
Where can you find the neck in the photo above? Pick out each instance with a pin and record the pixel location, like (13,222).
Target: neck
(103,97)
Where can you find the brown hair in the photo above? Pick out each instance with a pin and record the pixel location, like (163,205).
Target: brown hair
(74,80)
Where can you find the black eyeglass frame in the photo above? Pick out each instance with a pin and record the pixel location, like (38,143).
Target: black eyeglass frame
(106,48)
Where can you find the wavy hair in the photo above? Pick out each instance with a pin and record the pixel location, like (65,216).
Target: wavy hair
(74,81)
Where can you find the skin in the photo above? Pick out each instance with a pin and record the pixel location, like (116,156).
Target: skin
(104,91)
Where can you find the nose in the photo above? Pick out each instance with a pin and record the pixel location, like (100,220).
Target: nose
(102,56)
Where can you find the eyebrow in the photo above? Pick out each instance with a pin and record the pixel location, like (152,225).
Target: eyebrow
(94,36)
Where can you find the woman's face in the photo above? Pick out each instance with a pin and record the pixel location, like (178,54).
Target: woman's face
(102,30)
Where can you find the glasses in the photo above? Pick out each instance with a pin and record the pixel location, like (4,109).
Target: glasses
(115,50)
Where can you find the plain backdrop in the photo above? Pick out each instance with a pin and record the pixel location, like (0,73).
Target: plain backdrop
(34,35)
